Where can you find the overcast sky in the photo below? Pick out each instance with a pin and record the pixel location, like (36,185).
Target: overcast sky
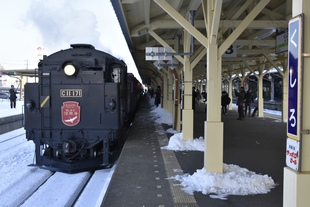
(54,25)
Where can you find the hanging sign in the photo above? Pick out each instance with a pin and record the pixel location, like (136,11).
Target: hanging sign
(231,51)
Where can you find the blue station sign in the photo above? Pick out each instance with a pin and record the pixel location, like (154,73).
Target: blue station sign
(295,65)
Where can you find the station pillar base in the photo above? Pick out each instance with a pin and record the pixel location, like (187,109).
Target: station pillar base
(188,124)
(296,188)
(213,155)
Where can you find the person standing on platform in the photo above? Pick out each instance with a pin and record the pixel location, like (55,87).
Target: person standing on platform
(151,92)
(255,108)
(198,96)
(13,97)
(248,102)
(225,101)
(240,102)
(157,96)
(194,96)
(255,111)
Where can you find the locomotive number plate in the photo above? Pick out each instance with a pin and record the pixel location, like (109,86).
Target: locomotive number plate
(70,92)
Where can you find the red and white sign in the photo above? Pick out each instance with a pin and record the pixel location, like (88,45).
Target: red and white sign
(70,113)
(292,154)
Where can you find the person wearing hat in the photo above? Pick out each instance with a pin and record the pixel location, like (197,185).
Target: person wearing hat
(13,97)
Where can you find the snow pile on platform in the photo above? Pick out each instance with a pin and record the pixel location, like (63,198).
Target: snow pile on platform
(176,143)
(234,181)
(163,116)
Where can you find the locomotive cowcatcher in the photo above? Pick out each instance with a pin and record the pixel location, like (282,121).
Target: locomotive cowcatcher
(75,113)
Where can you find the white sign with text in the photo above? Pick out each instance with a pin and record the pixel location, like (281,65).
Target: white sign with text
(292,154)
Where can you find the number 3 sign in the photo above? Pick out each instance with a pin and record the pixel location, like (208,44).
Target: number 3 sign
(231,51)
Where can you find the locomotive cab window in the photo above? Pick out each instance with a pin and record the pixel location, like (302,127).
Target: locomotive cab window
(116,74)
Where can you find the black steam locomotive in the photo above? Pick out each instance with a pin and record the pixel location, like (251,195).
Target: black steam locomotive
(77,111)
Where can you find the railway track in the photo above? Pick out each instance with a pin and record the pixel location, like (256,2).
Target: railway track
(21,185)
(58,189)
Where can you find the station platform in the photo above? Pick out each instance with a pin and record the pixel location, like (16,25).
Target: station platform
(141,175)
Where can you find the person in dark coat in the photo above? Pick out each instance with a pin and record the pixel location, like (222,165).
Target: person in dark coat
(240,102)
(194,96)
(255,111)
(13,97)
(249,99)
(255,107)
(157,96)
(224,102)
(151,92)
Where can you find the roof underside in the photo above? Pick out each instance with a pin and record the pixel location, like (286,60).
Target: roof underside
(142,20)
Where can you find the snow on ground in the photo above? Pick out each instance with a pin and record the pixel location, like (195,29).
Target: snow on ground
(235,180)
(163,117)
(13,162)
(5,108)
(16,153)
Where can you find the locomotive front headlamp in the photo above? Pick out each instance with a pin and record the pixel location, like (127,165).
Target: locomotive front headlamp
(69,70)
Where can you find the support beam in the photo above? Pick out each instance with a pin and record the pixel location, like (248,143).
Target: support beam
(215,21)
(182,21)
(199,54)
(240,42)
(274,65)
(164,44)
(200,24)
(236,33)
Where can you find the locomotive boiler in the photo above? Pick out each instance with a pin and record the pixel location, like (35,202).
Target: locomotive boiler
(76,112)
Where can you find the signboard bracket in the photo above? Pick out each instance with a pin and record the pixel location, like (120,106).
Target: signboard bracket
(306,131)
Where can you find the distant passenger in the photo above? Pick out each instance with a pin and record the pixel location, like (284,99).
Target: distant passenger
(194,97)
(157,96)
(225,101)
(204,96)
(151,92)
(255,111)
(13,97)
(198,96)
(240,102)
(249,99)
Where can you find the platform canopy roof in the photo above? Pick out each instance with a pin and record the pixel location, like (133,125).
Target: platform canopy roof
(20,72)
(159,23)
